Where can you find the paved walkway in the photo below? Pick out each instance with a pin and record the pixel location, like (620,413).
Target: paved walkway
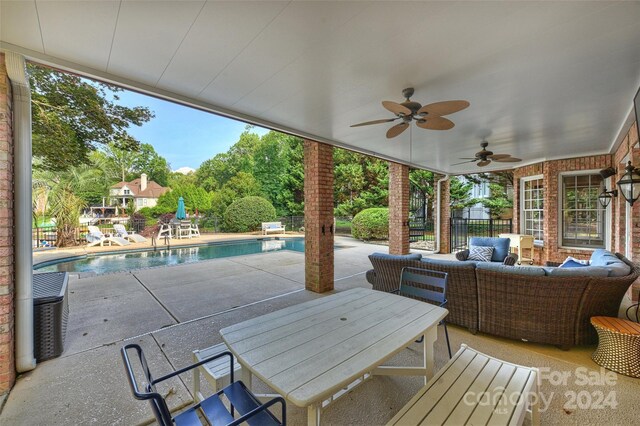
(170,311)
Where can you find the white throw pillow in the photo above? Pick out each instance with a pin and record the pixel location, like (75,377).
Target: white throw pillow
(570,259)
(481,254)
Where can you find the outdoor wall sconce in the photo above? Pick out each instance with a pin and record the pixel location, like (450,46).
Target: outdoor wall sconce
(606,196)
(629,184)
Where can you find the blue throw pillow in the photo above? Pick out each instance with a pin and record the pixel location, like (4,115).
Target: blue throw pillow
(572,264)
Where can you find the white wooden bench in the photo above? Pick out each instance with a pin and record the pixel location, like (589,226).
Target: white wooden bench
(216,372)
(272,227)
(474,388)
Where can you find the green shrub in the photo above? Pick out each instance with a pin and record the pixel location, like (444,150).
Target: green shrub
(371,224)
(246,214)
(147,212)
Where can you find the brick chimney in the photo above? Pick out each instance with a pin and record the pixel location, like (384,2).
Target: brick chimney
(143,182)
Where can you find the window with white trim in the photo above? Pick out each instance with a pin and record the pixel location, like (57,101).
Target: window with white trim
(583,217)
(532,207)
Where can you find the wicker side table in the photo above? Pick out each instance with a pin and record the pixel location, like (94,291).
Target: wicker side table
(618,345)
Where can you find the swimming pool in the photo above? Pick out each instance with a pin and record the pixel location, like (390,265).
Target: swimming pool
(128,260)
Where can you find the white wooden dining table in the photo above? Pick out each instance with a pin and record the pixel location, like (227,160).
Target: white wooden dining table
(314,352)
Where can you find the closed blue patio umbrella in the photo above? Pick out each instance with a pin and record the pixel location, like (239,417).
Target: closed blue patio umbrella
(181,213)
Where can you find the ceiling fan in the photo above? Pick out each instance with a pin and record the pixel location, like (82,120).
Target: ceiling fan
(426,117)
(484,157)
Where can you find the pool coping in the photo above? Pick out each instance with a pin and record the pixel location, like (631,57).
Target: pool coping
(45,263)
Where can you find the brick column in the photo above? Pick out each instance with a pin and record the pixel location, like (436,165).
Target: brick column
(7,362)
(318,216)
(398,208)
(445,214)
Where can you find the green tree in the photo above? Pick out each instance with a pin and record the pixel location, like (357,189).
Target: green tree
(360,182)
(348,184)
(269,166)
(239,186)
(500,189)
(498,202)
(195,198)
(291,198)
(214,173)
(120,161)
(72,116)
(147,160)
(100,178)
(178,179)
(241,153)
(460,193)
(64,205)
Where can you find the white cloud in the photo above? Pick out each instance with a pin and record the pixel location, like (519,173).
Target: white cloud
(184,170)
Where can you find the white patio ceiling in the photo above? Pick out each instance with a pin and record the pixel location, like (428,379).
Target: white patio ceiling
(545,79)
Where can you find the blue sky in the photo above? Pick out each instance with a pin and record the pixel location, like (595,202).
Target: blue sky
(184,136)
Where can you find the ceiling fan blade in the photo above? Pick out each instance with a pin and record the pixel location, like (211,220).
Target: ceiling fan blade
(509,160)
(396,108)
(443,108)
(397,129)
(367,123)
(498,157)
(435,123)
(464,162)
(484,163)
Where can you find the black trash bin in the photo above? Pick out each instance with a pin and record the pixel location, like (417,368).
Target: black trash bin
(51,313)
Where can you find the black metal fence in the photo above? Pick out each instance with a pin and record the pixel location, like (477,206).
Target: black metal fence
(46,236)
(292,223)
(343,225)
(463,229)
(422,230)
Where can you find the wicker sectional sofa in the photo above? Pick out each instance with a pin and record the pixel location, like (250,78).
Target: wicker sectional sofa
(543,305)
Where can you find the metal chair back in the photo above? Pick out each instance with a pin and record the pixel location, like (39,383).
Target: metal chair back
(158,404)
(424,284)
(428,286)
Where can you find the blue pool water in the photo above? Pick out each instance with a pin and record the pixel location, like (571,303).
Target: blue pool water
(124,261)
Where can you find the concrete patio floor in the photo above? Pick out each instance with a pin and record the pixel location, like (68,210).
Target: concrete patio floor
(170,311)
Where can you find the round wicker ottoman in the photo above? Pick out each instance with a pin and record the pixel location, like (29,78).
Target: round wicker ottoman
(618,345)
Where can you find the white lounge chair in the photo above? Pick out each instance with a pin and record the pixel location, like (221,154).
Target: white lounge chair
(165,231)
(122,232)
(195,231)
(183,230)
(95,237)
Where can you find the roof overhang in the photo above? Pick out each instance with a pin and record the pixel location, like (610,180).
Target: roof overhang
(546,80)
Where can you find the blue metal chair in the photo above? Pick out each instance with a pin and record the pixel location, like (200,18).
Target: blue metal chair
(428,286)
(240,398)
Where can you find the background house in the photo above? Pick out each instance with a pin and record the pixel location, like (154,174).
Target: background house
(144,193)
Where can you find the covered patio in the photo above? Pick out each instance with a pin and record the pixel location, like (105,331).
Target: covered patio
(166,310)
(550,83)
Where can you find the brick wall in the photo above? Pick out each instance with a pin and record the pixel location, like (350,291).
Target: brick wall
(628,150)
(318,216)
(550,171)
(398,208)
(7,364)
